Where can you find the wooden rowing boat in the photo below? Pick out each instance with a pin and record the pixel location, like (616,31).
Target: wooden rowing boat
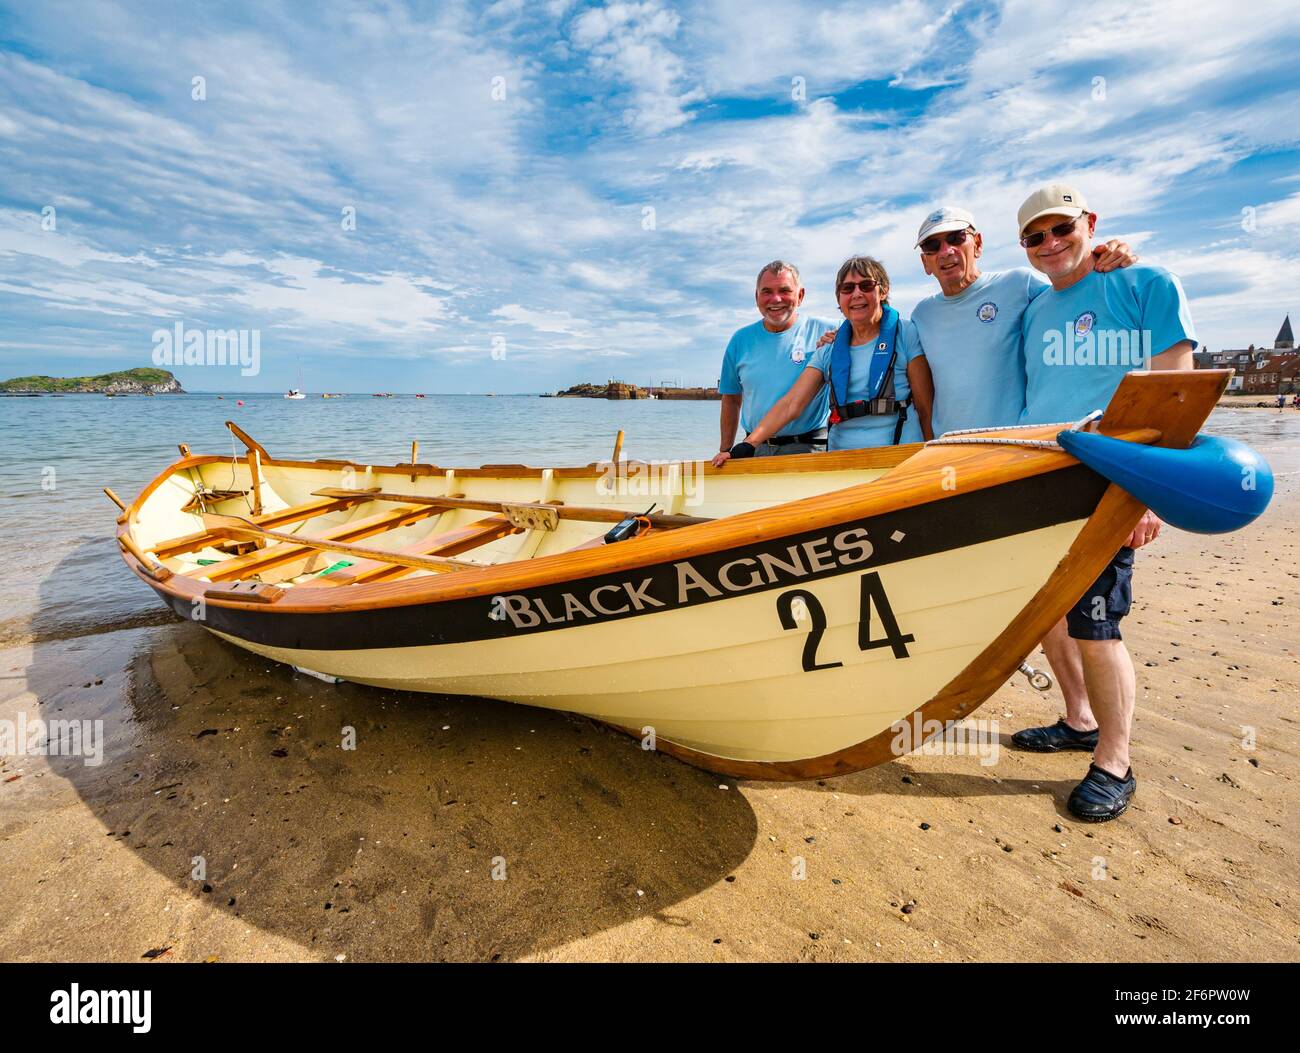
(772,619)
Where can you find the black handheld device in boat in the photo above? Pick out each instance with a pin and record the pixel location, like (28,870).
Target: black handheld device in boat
(632,526)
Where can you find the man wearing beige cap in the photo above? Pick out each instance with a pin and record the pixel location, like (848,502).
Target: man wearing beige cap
(1080,337)
(971,328)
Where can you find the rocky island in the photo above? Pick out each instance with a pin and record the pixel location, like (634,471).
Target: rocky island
(617,389)
(145,381)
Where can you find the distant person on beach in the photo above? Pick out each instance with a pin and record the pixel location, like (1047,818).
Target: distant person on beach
(873,372)
(762,360)
(1078,339)
(1281,401)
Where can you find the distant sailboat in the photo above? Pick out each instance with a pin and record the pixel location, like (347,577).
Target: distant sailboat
(297,393)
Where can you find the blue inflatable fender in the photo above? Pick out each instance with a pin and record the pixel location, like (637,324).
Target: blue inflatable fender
(1214,486)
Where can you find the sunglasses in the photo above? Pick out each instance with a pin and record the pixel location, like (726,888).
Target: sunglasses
(954,237)
(866,285)
(1032,241)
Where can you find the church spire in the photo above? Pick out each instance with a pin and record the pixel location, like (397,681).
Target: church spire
(1285,341)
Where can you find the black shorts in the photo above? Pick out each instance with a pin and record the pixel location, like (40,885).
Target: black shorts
(1097,614)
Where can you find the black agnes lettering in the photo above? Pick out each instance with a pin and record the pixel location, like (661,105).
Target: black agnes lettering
(690,582)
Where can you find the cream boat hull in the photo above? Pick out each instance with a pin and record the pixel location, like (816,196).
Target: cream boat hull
(727,679)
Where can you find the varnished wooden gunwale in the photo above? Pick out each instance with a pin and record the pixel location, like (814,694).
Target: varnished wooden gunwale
(840,460)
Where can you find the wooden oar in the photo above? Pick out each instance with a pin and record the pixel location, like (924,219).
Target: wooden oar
(590,514)
(234,526)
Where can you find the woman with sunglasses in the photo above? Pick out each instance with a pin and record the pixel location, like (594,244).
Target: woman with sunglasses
(880,385)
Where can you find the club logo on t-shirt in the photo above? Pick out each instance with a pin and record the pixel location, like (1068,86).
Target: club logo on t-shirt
(797,354)
(1084,323)
(987,311)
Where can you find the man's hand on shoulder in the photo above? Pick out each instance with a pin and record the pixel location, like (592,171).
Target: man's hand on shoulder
(827,337)
(1147,530)
(1113,255)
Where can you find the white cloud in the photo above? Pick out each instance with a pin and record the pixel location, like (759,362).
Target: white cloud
(381,303)
(629,43)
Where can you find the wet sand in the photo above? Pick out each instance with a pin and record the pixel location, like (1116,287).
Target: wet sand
(387,852)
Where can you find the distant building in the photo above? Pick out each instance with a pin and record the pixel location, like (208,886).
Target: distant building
(1276,375)
(1258,370)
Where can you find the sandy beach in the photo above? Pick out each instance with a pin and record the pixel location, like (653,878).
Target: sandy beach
(226,822)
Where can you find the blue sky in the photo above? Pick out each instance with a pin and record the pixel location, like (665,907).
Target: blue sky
(604,215)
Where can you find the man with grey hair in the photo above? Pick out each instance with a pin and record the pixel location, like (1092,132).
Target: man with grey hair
(764,359)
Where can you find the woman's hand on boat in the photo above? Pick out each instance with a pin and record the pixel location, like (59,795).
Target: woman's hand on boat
(745,448)
(1114,254)
(1147,530)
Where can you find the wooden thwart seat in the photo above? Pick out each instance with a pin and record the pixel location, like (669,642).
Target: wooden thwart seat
(269,520)
(448,543)
(295,554)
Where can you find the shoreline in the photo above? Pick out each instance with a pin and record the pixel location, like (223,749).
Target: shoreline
(1253,402)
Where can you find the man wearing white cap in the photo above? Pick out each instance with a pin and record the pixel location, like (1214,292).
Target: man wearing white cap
(1080,337)
(971,328)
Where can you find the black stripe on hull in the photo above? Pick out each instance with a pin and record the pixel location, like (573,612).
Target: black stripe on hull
(959,521)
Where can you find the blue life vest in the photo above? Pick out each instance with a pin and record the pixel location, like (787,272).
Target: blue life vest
(880,378)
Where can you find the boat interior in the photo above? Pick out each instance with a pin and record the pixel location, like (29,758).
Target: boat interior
(263,522)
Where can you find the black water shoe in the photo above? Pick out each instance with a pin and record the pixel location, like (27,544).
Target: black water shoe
(1102,796)
(1060,736)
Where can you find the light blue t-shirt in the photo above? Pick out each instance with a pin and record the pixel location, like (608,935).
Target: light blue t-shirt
(1080,341)
(761,366)
(861,432)
(973,344)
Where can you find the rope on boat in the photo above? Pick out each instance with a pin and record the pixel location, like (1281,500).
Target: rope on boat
(953,438)
(234,460)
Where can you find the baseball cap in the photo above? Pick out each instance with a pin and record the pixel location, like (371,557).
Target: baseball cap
(1054,199)
(942,220)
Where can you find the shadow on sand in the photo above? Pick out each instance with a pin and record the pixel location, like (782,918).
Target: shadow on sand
(385,851)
